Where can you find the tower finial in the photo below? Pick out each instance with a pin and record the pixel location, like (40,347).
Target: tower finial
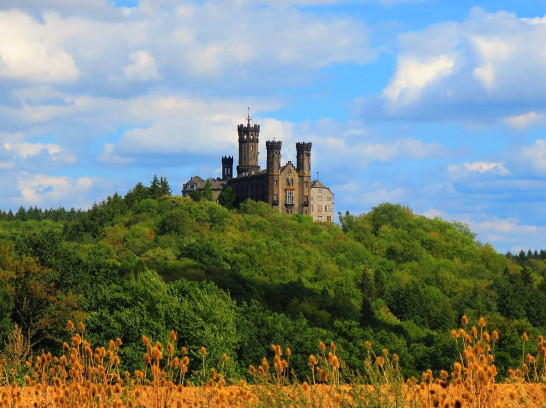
(248,117)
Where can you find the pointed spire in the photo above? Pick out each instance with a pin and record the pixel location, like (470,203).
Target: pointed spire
(248,117)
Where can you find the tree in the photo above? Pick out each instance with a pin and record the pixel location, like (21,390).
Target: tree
(39,308)
(136,194)
(207,192)
(227,198)
(164,187)
(368,290)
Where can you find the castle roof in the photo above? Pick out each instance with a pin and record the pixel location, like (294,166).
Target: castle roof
(317,184)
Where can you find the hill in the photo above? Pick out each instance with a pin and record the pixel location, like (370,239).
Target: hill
(240,280)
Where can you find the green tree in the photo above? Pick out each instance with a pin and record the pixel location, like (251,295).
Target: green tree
(207,192)
(227,198)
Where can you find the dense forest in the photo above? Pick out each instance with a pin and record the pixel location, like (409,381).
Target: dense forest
(237,280)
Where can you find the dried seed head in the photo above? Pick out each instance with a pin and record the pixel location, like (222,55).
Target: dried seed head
(481,322)
(203,351)
(172,336)
(465,320)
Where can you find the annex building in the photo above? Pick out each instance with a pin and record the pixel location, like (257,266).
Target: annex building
(287,187)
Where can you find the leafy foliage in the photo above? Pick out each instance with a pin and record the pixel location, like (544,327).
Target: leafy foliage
(237,279)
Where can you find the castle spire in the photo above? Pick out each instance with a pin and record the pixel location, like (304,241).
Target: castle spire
(248,118)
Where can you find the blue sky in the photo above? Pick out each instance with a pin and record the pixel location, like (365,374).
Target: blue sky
(437,105)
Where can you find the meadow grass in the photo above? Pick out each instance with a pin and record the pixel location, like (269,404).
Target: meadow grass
(87,377)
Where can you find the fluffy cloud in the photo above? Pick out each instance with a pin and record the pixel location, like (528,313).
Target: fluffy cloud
(479,167)
(525,120)
(483,69)
(40,189)
(32,51)
(17,154)
(535,155)
(142,68)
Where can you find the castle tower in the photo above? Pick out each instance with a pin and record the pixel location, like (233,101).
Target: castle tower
(303,155)
(227,167)
(248,148)
(273,170)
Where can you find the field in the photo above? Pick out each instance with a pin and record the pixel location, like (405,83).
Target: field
(86,377)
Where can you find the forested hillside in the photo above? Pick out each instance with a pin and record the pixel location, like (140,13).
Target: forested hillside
(239,280)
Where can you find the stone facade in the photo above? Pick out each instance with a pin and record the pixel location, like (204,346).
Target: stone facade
(287,187)
(322,202)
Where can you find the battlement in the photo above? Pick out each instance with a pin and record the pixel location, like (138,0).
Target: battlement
(273,145)
(248,128)
(303,146)
(227,160)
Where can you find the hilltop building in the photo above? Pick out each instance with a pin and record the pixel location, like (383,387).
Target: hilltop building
(288,188)
(322,202)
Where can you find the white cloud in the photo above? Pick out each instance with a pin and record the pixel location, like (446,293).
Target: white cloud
(480,70)
(525,120)
(40,189)
(413,75)
(535,155)
(32,51)
(15,153)
(479,167)
(142,68)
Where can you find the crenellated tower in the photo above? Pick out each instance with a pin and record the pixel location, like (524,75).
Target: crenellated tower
(273,170)
(303,156)
(227,167)
(248,148)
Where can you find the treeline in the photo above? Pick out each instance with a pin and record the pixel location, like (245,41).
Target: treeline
(238,280)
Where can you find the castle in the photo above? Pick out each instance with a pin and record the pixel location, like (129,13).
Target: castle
(288,188)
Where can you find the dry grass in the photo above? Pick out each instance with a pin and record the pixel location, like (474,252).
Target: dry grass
(87,377)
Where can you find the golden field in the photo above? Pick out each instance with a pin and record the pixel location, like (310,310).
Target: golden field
(87,377)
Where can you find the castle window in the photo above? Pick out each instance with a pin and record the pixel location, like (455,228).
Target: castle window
(320,208)
(276,183)
(251,147)
(320,190)
(329,218)
(289,196)
(328,208)
(311,207)
(319,198)
(329,198)
(320,218)
(306,184)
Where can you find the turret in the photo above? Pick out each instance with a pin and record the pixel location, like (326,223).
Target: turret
(248,148)
(273,156)
(227,167)
(303,151)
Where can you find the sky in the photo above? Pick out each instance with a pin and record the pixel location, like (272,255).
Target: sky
(437,105)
